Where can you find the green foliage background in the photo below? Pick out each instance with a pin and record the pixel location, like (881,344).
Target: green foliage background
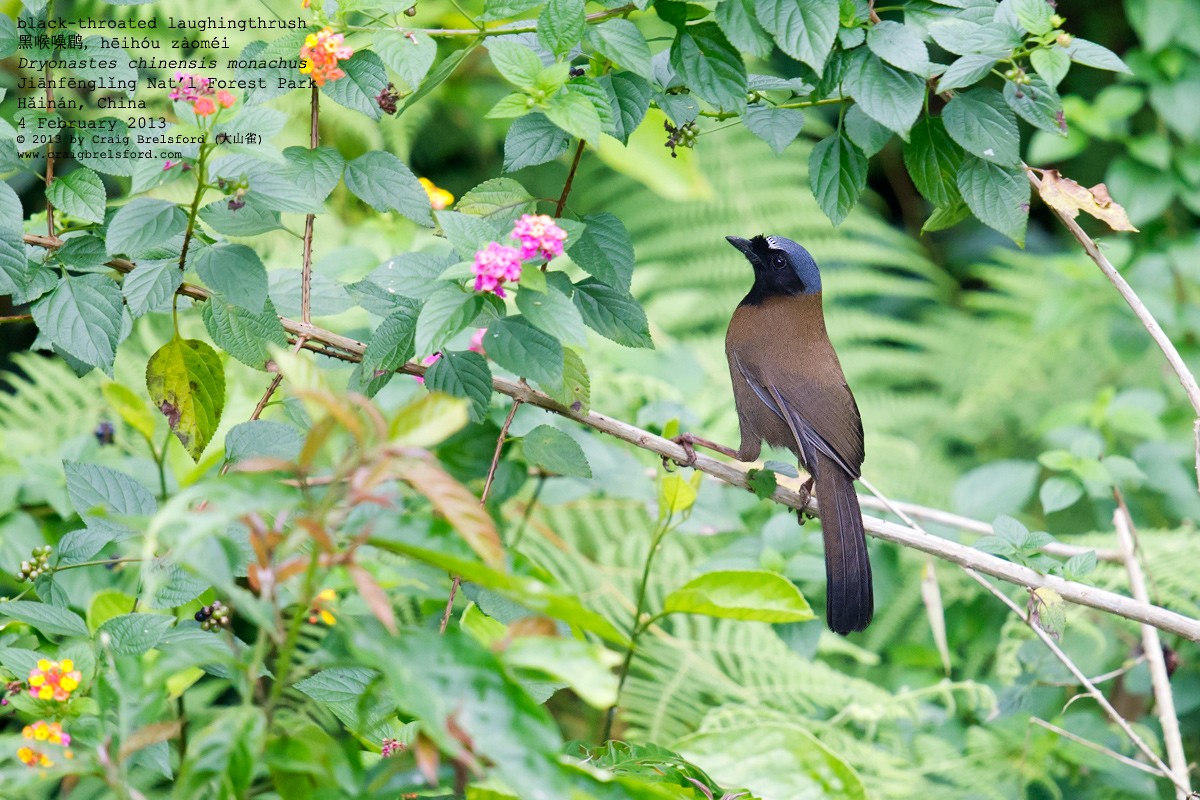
(993,381)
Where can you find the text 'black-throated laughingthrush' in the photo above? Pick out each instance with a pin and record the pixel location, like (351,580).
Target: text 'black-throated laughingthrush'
(790,392)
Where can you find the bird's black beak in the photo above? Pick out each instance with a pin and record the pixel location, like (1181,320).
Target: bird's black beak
(741,244)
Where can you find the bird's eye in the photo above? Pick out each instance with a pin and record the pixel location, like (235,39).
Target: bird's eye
(779,261)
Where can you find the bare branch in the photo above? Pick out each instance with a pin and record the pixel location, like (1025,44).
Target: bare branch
(1099,748)
(1160,680)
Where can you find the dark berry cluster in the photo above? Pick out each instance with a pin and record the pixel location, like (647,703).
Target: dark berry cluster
(683,136)
(38,564)
(576,72)
(235,191)
(213,617)
(386,100)
(105,432)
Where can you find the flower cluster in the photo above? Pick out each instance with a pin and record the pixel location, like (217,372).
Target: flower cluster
(319,612)
(54,680)
(42,731)
(539,237)
(439,198)
(321,53)
(389,747)
(198,91)
(37,565)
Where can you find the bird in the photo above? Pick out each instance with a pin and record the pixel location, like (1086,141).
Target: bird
(789,391)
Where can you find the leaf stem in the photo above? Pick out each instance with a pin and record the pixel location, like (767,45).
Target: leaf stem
(283,664)
(306,267)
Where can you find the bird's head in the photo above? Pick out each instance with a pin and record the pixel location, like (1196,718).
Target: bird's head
(781,267)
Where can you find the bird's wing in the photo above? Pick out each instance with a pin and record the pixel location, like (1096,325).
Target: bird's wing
(822,417)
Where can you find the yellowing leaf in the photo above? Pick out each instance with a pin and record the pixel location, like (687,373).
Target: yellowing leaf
(187,383)
(129,407)
(676,495)
(1070,198)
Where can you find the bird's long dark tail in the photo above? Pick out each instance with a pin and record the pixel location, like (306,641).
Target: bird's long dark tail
(850,602)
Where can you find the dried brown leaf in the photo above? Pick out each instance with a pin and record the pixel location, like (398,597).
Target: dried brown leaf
(456,503)
(374,596)
(1070,198)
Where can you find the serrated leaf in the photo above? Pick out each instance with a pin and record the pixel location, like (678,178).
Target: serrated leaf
(250,220)
(933,159)
(621,42)
(575,392)
(1096,56)
(385,183)
(560,26)
(187,384)
(1079,565)
(315,171)
(604,250)
(1052,63)
(804,29)
(899,45)
(338,684)
(598,97)
(739,23)
(710,66)
(612,312)
(245,335)
(150,286)
(462,374)
(515,62)
(982,123)
(82,317)
(555,452)
(575,114)
(409,54)
(365,78)
(1034,15)
(629,97)
(503,9)
(554,313)
(965,71)
(412,275)
(947,217)
(468,233)
(524,350)
(997,195)
(144,224)
(390,346)
(533,140)
(498,198)
(447,311)
(837,171)
(778,127)
(260,438)
(235,271)
(134,634)
(79,193)
(1059,493)
(92,486)
(81,545)
(865,132)
(45,618)
(1037,104)
(890,96)
(754,595)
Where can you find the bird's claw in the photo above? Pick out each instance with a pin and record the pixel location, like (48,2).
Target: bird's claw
(684,440)
(805,491)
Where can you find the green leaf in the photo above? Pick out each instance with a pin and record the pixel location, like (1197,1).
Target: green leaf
(80,194)
(92,486)
(524,350)
(778,127)
(249,220)
(752,595)
(1080,565)
(621,42)
(365,78)
(245,335)
(494,10)
(144,224)
(605,250)
(134,634)
(933,159)
(613,313)
(447,311)
(1052,63)
(762,482)
(533,140)
(81,545)
(575,392)
(315,171)
(439,75)
(82,317)
(890,96)
(899,45)
(518,64)
(584,666)
(556,452)
(710,66)
(560,26)
(741,27)
(187,384)
(462,374)
(963,37)
(575,114)
(260,438)
(865,132)
(554,313)
(965,71)
(1001,487)
(390,346)
(8,37)
(235,271)
(270,184)
(150,286)
(946,217)
(498,198)
(837,171)
(385,183)
(338,684)
(1059,493)
(998,196)
(468,233)
(409,54)
(412,275)
(45,618)
(629,97)
(1038,104)
(1097,56)
(981,122)
(804,29)
(1034,15)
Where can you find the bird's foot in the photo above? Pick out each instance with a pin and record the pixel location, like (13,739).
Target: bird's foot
(688,442)
(806,489)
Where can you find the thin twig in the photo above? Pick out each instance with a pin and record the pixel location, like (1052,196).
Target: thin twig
(16,318)
(566,192)
(491,474)
(49,153)
(599,16)
(449,604)
(1185,376)
(345,348)
(1160,679)
(1099,748)
(306,267)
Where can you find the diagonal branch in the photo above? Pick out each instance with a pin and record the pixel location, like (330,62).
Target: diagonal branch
(346,349)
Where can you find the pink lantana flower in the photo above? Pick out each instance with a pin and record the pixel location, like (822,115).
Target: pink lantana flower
(477,341)
(428,361)
(225,99)
(494,265)
(204,107)
(539,236)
